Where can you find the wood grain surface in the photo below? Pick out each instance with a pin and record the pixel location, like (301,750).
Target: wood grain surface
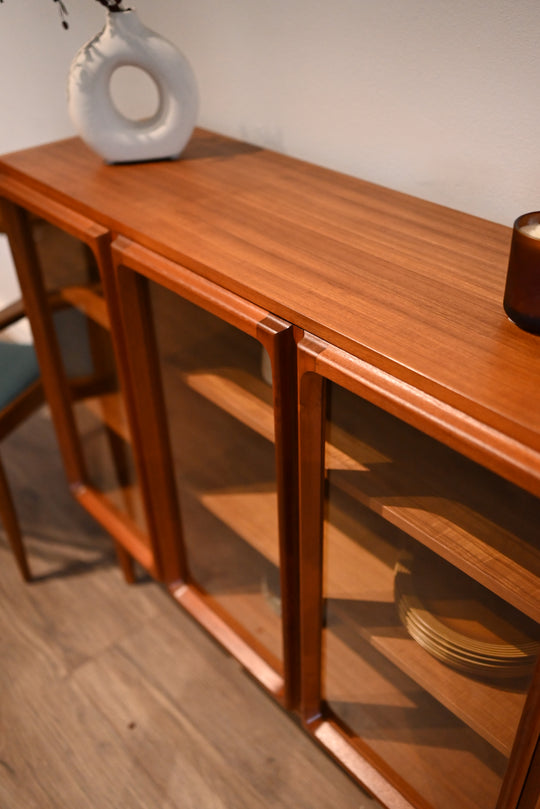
(412,286)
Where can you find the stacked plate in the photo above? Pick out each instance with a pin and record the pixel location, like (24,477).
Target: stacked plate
(461,623)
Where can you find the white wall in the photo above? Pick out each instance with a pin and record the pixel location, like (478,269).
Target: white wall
(440,98)
(436,98)
(35,54)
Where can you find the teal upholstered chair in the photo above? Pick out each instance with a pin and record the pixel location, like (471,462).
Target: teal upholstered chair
(20,394)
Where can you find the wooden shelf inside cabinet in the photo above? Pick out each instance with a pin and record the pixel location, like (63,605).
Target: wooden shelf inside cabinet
(249,399)
(231,529)
(102,420)
(448,763)
(238,575)
(500,551)
(250,512)
(361,581)
(109,409)
(252,515)
(88,300)
(238,393)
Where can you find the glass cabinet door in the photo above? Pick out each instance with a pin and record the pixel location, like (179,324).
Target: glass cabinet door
(215,365)
(420,635)
(62,271)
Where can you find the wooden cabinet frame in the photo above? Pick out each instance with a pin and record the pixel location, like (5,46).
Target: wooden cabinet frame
(17,203)
(318,364)
(393,298)
(134,266)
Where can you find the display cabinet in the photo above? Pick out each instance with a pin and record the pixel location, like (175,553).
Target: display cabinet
(330,450)
(420,582)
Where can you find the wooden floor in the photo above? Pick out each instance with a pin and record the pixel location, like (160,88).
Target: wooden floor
(110,696)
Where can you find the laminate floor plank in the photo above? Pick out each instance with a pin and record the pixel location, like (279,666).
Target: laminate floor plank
(58,752)
(257,738)
(165,744)
(51,624)
(111,697)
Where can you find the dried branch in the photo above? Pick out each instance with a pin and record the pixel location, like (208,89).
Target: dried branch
(110,5)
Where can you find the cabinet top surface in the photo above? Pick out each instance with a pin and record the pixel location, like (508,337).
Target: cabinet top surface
(413,287)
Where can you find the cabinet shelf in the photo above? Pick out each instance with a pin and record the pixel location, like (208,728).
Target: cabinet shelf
(239,394)
(227,494)
(392,719)
(109,409)
(107,448)
(250,511)
(88,300)
(249,399)
(359,583)
(443,502)
(231,537)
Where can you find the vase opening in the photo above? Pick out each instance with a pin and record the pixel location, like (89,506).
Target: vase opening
(134,93)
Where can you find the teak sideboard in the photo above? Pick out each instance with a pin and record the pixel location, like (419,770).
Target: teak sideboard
(315,425)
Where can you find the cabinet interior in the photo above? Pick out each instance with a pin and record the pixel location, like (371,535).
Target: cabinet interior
(394,496)
(221,428)
(82,326)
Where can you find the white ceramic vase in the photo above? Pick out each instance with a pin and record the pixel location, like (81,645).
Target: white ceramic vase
(125,41)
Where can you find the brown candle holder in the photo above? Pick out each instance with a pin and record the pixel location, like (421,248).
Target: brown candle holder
(522,293)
